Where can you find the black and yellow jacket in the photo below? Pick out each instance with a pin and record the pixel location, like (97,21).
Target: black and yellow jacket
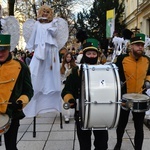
(133,73)
(72,85)
(15,84)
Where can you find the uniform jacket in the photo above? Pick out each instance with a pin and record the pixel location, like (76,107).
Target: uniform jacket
(133,73)
(15,84)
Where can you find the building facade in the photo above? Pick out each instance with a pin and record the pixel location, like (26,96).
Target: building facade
(137,16)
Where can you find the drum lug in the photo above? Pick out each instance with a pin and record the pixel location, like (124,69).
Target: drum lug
(77,106)
(79,119)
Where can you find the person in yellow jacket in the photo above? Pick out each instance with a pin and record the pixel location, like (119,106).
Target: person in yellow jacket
(134,71)
(15,90)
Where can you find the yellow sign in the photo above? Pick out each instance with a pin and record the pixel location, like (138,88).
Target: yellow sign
(110,13)
(110,23)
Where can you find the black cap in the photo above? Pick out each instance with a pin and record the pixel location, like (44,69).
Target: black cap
(127,34)
(90,44)
(140,38)
(81,36)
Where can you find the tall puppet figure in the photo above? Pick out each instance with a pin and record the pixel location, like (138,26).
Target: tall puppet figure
(48,36)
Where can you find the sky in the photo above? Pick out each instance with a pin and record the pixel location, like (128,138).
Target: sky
(82,4)
(79,6)
(86,4)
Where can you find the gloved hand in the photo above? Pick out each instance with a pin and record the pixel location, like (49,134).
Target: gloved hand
(146,84)
(72,103)
(17,105)
(129,104)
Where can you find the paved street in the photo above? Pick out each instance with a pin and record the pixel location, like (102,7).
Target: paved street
(50,135)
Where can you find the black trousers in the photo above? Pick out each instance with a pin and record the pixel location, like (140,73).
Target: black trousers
(138,118)
(10,136)
(84,137)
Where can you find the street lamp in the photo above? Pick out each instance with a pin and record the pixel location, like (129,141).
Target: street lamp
(135,30)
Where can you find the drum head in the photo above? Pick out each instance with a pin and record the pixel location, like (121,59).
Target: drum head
(135,97)
(96,82)
(4,123)
(4,119)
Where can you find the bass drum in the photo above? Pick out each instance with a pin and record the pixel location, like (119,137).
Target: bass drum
(99,107)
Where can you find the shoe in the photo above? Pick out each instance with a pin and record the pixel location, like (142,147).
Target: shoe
(66,120)
(117,147)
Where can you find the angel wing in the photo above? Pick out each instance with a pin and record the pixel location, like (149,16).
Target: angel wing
(62,32)
(10,26)
(27,29)
(147,42)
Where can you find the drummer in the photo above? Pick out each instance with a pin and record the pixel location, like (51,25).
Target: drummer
(71,92)
(15,90)
(134,71)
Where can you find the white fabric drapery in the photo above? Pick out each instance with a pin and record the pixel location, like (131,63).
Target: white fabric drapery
(45,70)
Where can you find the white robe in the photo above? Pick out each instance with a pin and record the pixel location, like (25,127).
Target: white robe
(45,70)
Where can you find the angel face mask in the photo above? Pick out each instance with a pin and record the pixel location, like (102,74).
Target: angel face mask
(45,12)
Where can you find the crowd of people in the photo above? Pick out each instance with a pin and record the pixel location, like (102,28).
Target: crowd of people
(43,79)
(23,56)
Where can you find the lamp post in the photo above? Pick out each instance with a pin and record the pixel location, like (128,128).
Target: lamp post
(136,29)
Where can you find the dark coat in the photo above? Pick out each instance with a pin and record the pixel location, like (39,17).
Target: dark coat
(72,85)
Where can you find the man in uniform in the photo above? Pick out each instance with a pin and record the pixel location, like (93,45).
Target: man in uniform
(15,90)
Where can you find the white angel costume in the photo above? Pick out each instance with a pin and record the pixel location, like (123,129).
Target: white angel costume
(45,66)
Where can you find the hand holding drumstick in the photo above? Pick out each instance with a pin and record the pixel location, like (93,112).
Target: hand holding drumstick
(16,105)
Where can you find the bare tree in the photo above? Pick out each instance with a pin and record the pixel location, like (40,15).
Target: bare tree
(66,9)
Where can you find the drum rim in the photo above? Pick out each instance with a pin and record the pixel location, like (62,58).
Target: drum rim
(5,127)
(134,100)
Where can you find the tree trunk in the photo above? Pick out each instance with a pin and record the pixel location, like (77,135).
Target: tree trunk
(11,4)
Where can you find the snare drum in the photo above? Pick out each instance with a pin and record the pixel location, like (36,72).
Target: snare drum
(139,102)
(4,123)
(100,95)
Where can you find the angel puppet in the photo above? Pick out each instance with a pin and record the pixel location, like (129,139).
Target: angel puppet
(48,36)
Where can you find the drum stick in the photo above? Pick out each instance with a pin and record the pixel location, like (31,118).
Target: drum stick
(8,103)
(141,90)
(127,79)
